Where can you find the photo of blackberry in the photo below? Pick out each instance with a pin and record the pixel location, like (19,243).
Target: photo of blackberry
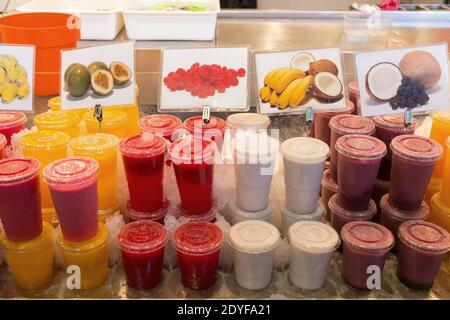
(410,94)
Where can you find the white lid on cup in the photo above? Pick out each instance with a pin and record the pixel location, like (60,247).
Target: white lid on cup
(253,236)
(305,149)
(314,236)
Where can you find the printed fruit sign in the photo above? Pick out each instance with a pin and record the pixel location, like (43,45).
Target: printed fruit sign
(99,75)
(16,78)
(393,81)
(290,81)
(194,78)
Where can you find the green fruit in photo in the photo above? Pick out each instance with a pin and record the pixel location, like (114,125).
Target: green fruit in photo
(78,81)
(97,65)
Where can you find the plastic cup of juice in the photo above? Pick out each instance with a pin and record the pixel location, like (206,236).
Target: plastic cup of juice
(440,213)
(114,122)
(304,160)
(198,246)
(168,126)
(434,186)
(253,243)
(440,131)
(342,125)
(365,245)
(359,158)
(288,218)
(422,248)
(73,186)
(30,262)
(214,131)
(329,188)
(143,158)
(20,198)
(90,256)
(413,161)
(142,246)
(46,146)
(353,92)
(380,188)
(3,143)
(66,121)
(103,148)
(193,164)
(157,216)
(445,187)
(10,123)
(312,244)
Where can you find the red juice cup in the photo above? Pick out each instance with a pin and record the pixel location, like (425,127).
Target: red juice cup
(413,161)
(157,216)
(165,125)
(342,125)
(388,127)
(73,186)
(3,143)
(193,163)
(10,123)
(365,244)
(143,159)
(20,198)
(359,159)
(142,247)
(214,131)
(422,248)
(198,247)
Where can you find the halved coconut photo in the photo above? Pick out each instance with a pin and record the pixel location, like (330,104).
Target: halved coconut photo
(327,86)
(383,80)
(302,61)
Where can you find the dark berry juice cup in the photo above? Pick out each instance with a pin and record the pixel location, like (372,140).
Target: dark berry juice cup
(214,131)
(422,248)
(365,244)
(73,186)
(388,127)
(198,246)
(20,198)
(342,125)
(380,188)
(413,161)
(168,126)
(10,123)
(142,247)
(329,189)
(359,159)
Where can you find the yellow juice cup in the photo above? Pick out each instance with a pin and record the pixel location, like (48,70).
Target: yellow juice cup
(440,131)
(66,121)
(91,256)
(103,148)
(114,122)
(440,213)
(46,146)
(434,186)
(30,262)
(55,105)
(445,188)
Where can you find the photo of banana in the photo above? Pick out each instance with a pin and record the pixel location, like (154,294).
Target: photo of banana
(13,80)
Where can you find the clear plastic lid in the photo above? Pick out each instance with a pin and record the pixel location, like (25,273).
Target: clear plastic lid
(351,124)
(11,119)
(304,149)
(43,240)
(94,143)
(353,87)
(71,171)
(57,119)
(237,212)
(328,182)
(395,122)
(316,215)
(442,116)
(416,148)
(424,236)
(163,124)
(98,241)
(17,169)
(420,213)
(368,236)
(254,236)
(155,215)
(44,139)
(189,149)
(314,236)
(337,209)
(142,236)
(195,123)
(143,145)
(248,121)
(3,141)
(111,117)
(197,237)
(360,146)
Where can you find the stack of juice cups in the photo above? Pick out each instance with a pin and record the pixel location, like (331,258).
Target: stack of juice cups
(103,148)
(359,158)
(143,159)
(193,163)
(27,241)
(254,158)
(304,160)
(46,146)
(67,121)
(114,122)
(3,143)
(83,239)
(215,130)
(353,94)
(10,123)
(168,126)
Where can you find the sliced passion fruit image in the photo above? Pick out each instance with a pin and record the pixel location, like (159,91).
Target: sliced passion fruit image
(102,82)
(422,67)
(97,65)
(383,81)
(120,72)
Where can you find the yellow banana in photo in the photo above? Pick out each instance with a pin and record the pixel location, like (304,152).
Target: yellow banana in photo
(22,78)
(272,73)
(9,92)
(273,99)
(300,91)
(23,91)
(283,80)
(9,63)
(285,97)
(265,93)
(3,77)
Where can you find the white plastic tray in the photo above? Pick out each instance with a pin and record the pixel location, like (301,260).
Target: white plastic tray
(100,19)
(142,24)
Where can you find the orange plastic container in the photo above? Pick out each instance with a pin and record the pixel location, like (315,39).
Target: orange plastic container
(49,33)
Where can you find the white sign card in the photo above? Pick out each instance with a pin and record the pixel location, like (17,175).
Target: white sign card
(103,75)
(392,81)
(290,81)
(16,77)
(194,78)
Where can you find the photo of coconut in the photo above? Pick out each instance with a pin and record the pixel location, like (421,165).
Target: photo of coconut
(299,79)
(406,79)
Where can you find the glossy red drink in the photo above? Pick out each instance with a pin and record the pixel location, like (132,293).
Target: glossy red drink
(198,247)
(3,143)
(10,123)
(142,248)
(20,199)
(157,216)
(165,125)
(73,186)
(215,130)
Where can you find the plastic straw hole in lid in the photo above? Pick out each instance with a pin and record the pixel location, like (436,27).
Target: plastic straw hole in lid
(305,149)
(368,236)
(142,236)
(17,169)
(143,145)
(197,237)
(416,148)
(70,171)
(361,146)
(254,236)
(314,236)
(424,236)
